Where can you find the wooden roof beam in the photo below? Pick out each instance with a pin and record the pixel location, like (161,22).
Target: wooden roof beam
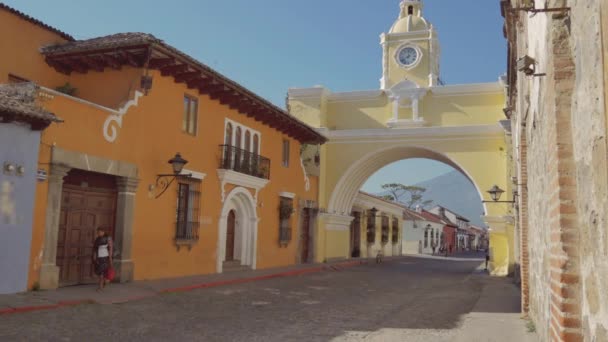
(173,69)
(186,76)
(129,59)
(156,63)
(75,65)
(60,67)
(93,63)
(112,61)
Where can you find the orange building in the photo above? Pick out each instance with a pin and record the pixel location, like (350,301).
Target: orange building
(130,102)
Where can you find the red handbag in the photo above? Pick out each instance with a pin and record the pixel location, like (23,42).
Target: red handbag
(110,274)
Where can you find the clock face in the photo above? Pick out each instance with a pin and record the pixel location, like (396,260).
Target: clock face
(408,56)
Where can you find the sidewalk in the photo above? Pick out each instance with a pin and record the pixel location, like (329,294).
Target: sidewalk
(459,256)
(497,315)
(120,293)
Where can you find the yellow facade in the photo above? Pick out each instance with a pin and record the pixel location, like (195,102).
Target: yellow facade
(410,116)
(111,128)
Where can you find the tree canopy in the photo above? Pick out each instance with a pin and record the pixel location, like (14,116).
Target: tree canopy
(410,195)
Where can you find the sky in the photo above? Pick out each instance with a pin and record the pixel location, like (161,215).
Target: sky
(269,46)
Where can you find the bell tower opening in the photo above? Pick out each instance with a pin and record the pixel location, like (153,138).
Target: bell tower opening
(410,49)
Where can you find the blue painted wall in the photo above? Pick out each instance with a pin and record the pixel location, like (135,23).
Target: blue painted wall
(18,146)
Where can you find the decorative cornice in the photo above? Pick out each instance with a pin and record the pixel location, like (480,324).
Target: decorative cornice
(240,179)
(194,174)
(406,123)
(287,194)
(355,95)
(413,134)
(468,89)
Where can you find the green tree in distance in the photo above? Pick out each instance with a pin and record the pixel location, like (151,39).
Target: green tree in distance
(410,195)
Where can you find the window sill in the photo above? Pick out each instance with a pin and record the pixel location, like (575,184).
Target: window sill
(185,242)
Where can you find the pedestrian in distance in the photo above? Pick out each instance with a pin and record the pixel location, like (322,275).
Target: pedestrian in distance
(487,259)
(102,256)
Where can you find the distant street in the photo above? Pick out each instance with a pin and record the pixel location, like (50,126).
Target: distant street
(415,298)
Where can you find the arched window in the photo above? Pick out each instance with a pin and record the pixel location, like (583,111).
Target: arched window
(237,138)
(410,10)
(256,143)
(247,141)
(228,137)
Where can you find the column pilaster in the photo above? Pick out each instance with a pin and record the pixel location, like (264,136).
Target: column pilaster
(125,211)
(49,271)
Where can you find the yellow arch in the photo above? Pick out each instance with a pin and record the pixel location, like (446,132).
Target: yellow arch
(345,191)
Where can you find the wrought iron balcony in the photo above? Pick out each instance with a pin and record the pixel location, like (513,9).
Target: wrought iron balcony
(239,160)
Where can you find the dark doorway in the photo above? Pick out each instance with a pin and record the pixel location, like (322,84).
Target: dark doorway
(355,235)
(230,231)
(88,202)
(305,236)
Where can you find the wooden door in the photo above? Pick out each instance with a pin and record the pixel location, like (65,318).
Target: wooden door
(230,230)
(305,236)
(355,235)
(83,210)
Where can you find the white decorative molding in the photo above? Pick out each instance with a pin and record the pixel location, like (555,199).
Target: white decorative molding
(194,174)
(406,123)
(110,132)
(240,179)
(117,117)
(414,134)
(111,136)
(244,129)
(468,89)
(336,222)
(306,179)
(287,194)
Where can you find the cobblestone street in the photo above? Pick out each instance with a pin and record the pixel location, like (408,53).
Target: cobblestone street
(409,299)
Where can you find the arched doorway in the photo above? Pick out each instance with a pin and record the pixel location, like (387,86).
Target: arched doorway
(238,225)
(359,161)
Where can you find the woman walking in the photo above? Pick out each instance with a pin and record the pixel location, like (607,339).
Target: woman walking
(102,256)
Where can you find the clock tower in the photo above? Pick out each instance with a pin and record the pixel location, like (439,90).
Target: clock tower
(410,50)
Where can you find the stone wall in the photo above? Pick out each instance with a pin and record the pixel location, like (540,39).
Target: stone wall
(559,142)
(589,137)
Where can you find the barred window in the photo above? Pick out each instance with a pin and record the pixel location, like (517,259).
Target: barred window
(188,205)
(285,212)
(371,227)
(426,238)
(395,236)
(385,229)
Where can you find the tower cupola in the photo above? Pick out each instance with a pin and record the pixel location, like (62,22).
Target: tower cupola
(410,18)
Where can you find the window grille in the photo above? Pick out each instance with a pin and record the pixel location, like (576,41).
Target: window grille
(188,206)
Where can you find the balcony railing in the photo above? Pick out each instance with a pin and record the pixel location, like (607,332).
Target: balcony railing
(239,160)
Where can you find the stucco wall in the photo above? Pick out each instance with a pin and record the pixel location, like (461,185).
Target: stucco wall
(18,146)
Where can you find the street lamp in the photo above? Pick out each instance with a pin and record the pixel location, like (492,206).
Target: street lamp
(164,180)
(495,193)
